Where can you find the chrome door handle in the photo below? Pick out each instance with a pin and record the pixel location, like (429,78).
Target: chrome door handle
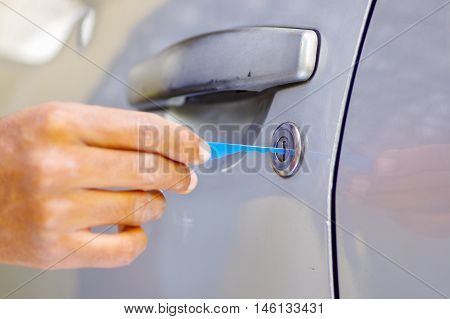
(242,59)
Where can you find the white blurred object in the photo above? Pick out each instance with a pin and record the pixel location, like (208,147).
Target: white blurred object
(22,25)
(87,27)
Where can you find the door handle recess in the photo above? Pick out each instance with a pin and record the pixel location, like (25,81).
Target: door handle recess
(242,59)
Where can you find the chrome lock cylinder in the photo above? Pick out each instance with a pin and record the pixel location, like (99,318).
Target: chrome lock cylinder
(288,137)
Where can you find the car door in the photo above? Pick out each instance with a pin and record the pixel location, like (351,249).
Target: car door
(244,234)
(245,231)
(392,203)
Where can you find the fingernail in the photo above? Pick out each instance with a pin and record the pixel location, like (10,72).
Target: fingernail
(193,182)
(205,152)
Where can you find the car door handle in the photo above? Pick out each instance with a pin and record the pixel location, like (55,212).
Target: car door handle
(242,59)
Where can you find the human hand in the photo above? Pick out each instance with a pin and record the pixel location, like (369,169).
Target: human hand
(59,164)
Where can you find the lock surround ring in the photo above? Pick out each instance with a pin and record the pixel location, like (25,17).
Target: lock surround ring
(290,132)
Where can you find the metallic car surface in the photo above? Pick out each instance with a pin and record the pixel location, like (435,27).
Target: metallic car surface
(393,203)
(244,234)
(239,234)
(249,58)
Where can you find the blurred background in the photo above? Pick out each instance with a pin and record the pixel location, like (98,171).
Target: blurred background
(33,72)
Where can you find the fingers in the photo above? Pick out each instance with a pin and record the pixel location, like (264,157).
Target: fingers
(90,208)
(413,160)
(425,201)
(414,183)
(105,250)
(124,129)
(105,168)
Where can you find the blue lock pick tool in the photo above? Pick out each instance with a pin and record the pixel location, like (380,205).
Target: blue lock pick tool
(219,150)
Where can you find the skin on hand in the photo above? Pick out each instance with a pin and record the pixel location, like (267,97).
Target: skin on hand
(59,165)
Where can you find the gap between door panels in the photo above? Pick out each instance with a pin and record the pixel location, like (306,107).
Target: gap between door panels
(334,252)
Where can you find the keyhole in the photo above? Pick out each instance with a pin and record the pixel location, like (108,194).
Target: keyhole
(283,156)
(282,143)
